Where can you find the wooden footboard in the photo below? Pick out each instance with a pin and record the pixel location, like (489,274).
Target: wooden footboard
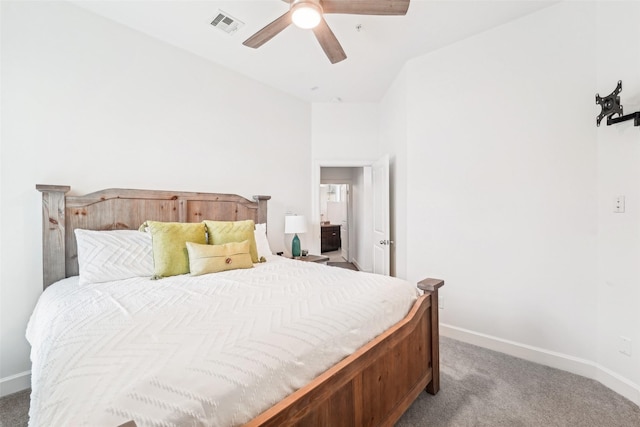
(375,385)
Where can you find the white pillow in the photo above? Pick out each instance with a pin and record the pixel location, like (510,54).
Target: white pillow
(261,241)
(104,256)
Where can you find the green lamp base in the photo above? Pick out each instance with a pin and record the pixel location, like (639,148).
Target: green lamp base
(295,246)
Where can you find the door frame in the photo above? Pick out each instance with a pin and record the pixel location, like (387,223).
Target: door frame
(315,194)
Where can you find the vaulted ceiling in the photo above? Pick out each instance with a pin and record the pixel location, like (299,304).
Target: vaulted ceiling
(376,46)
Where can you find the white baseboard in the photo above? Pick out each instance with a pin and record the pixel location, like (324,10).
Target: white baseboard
(575,365)
(15,383)
(619,384)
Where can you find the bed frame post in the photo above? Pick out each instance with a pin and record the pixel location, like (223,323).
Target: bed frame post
(53,238)
(431,286)
(262,208)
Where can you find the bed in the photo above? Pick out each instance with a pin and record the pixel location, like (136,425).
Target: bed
(368,383)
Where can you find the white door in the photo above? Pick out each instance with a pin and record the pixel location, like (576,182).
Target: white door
(381,242)
(345,195)
(344,240)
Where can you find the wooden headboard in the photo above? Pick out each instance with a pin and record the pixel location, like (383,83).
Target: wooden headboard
(126,209)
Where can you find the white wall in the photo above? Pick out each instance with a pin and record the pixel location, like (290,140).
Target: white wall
(343,136)
(344,131)
(367,131)
(509,188)
(618,58)
(502,186)
(394,127)
(92,104)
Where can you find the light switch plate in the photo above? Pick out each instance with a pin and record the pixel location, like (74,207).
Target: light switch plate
(618,204)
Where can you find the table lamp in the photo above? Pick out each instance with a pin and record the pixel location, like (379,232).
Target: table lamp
(294,224)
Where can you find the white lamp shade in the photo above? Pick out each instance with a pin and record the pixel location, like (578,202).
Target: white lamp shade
(295,224)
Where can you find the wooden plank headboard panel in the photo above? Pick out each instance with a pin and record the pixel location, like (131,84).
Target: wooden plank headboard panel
(126,209)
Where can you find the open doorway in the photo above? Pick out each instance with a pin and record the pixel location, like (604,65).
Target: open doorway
(334,221)
(341,219)
(368,234)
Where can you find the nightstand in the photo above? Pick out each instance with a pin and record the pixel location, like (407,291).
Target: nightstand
(313,258)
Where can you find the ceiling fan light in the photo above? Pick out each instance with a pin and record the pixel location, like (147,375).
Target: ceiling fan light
(306,15)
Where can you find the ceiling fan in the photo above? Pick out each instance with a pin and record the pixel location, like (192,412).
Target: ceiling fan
(308,14)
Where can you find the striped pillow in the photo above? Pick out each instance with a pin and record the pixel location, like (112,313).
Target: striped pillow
(104,256)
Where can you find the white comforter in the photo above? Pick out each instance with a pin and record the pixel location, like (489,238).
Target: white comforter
(213,350)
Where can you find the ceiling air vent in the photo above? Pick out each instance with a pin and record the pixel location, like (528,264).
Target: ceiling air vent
(226,23)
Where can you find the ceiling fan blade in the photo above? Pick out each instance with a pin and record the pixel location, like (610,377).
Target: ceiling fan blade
(269,32)
(366,7)
(329,42)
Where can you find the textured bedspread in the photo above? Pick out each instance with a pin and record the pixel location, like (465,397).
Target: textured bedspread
(212,350)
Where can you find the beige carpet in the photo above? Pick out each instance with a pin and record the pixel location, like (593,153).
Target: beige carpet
(14,409)
(347,265)
(481,387)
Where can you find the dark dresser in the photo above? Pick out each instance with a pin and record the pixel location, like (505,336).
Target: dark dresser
(330,238)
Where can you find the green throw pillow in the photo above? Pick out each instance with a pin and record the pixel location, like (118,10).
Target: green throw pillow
(168,240)
(221,232)
(205,259)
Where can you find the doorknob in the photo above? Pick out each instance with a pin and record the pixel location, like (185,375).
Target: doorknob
(386,242)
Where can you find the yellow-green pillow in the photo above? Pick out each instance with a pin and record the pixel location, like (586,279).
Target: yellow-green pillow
(221,232)
(205,259)
(168,240)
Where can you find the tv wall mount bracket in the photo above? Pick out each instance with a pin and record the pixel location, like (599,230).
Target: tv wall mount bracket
(610,106)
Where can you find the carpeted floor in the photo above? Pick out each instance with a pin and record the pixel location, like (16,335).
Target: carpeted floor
(480,387)
(347,265)
(14,409)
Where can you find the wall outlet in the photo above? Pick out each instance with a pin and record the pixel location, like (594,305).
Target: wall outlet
(618,204)
(625,346)
(441,302)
